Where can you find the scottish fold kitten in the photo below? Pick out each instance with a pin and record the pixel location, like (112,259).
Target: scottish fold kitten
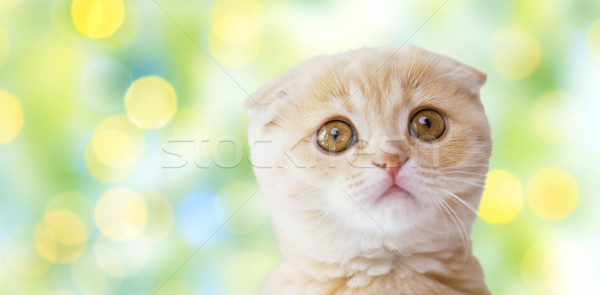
(372,163)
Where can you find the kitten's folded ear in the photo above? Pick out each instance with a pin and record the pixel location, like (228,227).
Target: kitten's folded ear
(468,77)
(476,78)
(260,104)
(276,89)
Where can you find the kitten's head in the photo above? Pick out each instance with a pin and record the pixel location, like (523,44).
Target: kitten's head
(371,143)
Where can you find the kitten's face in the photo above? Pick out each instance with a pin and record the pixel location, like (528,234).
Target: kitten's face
(371,139)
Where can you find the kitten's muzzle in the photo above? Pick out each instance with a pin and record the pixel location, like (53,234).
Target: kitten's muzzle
(390,162)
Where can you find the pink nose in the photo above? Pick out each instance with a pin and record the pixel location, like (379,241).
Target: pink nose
(391,163)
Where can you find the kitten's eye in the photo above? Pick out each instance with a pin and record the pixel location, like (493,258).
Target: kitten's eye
(335,136)
(427,125)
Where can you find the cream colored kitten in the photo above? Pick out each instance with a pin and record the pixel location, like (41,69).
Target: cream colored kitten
(371,162)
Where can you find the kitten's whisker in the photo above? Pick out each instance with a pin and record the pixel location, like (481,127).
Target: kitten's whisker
(461,227)
(460,200)
(463,172)
(462,166)
(475,184)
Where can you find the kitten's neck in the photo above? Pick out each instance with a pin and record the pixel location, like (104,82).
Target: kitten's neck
(448,271)
(355,261)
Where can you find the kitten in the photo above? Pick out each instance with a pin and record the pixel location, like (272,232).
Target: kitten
(372,162)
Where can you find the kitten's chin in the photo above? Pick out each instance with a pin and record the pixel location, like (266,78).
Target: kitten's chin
(395,193)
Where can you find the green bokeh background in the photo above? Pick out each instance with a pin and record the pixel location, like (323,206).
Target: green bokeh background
(68,83)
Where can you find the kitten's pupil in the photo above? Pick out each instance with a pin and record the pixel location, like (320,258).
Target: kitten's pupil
(335,132)
(425,121)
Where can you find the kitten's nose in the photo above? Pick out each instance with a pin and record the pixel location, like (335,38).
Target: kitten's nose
(390,162)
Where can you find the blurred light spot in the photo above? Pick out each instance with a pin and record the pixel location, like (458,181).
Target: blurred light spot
(65,227)
(21,254)
(128,31)
(121,214)
(87,276)
(150,102)
(251,212)
(160,217)
(11,117)
(557,117)
(502,198)
(174,287)
(514,53)
(560,268)
(97,19)
(234,38)
(552,193)
(244,273)
(4,45)
(236,29)
(102,172)
(222,8)
(120,259)
(198,217)
(103,84)
(114,150)
(61,236)
(593,39)
(77,203)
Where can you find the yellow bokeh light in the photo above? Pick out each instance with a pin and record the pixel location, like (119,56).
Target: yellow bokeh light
(502,198)
(53,251)
(557,117)
(222,8)
(75,202)
(251,216)
(236,29)
(4,45)
(65,227)
(552,193)
(234,38)
(121,214)
(21,255)
(61,237)
(593,39)
(120,259)
(177,287)
(114,150)
(150,102)
(514,53)
(160,217)
(97,19)
(11,117)
(128,30)
(102,172)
